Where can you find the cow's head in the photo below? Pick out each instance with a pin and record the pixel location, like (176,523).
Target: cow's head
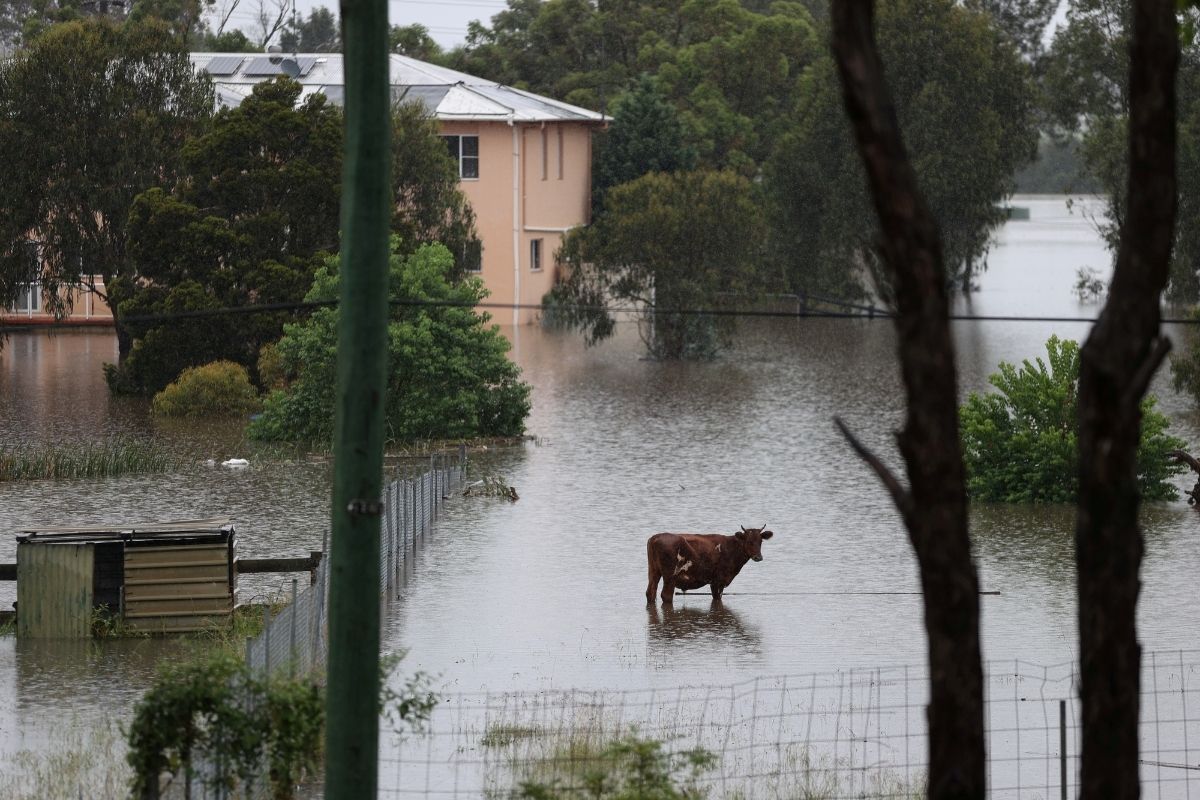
(752,539)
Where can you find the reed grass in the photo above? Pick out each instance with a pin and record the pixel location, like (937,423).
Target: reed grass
(105,459)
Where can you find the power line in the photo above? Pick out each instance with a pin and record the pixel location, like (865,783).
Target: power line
(862,312)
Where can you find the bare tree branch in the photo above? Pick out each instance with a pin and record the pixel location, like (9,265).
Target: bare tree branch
(900,495)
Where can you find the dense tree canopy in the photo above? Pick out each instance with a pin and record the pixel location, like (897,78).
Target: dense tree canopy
(964,100)
(731,71)
(91,114)
(672,243)
(646,135)
(448,372)
(1087,92)
(249,224)
(255,214)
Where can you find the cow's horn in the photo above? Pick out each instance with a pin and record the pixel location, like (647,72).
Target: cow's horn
(743,527)
(764,527)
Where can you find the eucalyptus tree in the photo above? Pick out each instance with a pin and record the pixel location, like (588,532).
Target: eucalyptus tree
(1087,95)
(671,245)
(91,115)
(964,98)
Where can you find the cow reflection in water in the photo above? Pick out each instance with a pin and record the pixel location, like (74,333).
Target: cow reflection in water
(712,626)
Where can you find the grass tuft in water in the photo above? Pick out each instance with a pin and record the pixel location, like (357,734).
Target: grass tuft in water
(93,460)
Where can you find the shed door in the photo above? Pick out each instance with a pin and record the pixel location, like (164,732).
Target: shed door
(54,590)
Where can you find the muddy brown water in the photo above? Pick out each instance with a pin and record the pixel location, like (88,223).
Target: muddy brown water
(549,591)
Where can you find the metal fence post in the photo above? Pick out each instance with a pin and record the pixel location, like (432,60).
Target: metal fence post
(292,634)
(267,639)
(1062,745)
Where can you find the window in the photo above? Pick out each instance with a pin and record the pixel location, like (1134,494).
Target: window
(465,151)
(29,299)
(535,255)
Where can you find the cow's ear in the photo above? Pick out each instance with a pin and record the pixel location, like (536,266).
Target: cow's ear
(767,534)
(739,534)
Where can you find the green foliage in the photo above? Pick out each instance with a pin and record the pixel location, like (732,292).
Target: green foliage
(221,388)
(1087,93)
(964,100)
(104,459)
(218,705)
(250,225)
(1185,363)
(252,222)
(1021,445)
(91,115)
(671,243)
(320,32)
(413,41)
(730,71)
(646,135)
(627,768)
(448,373)
(270,367)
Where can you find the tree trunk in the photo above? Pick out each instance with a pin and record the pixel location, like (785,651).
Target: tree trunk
(1116,365)
(934,507)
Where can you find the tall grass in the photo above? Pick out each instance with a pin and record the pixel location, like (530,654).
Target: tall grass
(85,761)
(598,758)
(92,460)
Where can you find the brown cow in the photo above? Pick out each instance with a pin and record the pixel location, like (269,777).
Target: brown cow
(691,560)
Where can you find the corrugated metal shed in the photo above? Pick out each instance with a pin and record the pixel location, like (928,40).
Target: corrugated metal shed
(446,93)
(161,577)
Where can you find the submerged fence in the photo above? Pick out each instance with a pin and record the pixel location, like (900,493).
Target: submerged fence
(854,734)
(294,641)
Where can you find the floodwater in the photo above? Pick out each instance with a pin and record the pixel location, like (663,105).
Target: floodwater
(548,592)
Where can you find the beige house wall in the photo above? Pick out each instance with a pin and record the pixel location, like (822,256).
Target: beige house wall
(534,184)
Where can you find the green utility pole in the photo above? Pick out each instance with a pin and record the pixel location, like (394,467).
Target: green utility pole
(352,711)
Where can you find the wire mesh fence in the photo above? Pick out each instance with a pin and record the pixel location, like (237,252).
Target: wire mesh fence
(294,640)
(854,734)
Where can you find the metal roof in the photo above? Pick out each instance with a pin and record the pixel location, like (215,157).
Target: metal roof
(125,530)
(447,94)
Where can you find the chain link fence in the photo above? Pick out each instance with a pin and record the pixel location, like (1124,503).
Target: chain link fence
(833,736)
(294,640)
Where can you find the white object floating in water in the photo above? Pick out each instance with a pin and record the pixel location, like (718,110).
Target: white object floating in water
(235,462)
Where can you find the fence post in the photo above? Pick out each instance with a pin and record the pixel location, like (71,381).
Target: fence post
(267,639)
(292,633)
(1062,745)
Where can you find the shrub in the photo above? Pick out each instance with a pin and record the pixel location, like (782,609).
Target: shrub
(221,388)
(271,374)
(449,375)
(1021,445)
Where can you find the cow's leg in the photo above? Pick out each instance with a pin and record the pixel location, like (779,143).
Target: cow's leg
(668,592)
(654,575)
(716,590)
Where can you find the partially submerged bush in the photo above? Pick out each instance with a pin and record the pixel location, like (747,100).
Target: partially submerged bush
(221,388)
(1022,445)
(218,706)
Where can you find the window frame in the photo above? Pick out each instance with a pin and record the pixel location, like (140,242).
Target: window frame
(536,252)
(454,144)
